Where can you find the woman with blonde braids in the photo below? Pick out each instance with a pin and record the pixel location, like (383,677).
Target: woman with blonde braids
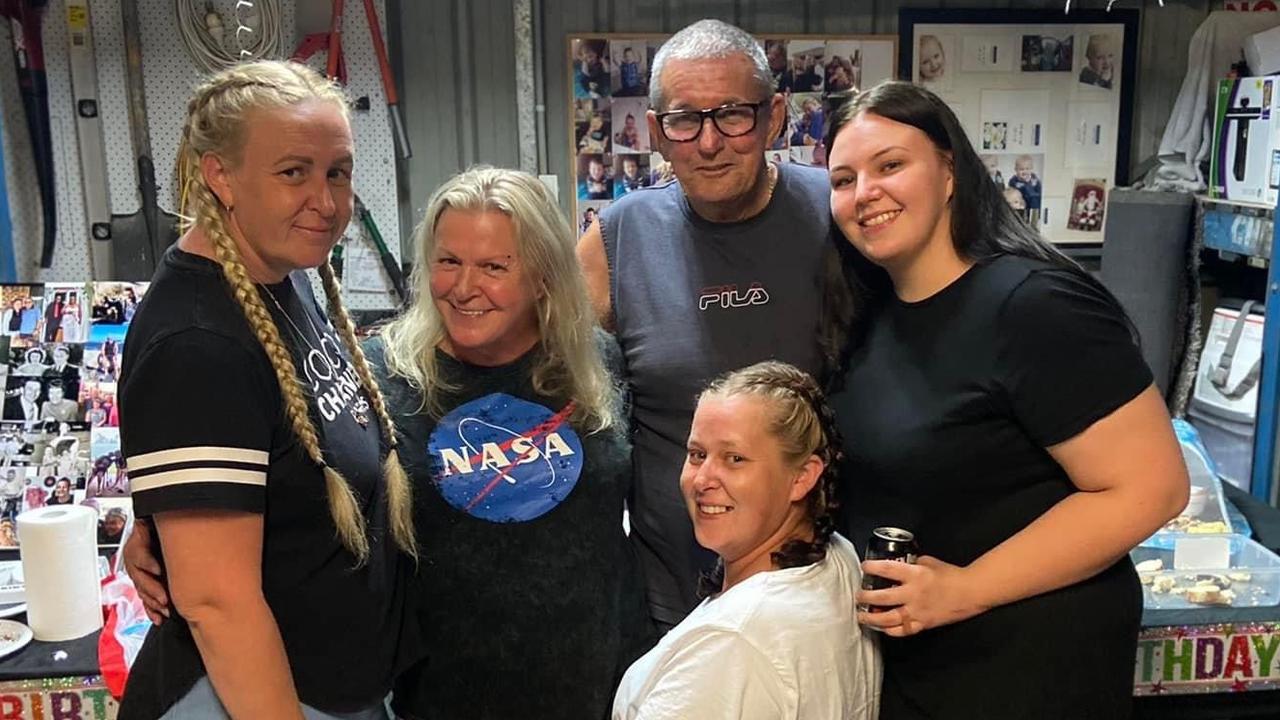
(776,637)
(530,596)
(281,514)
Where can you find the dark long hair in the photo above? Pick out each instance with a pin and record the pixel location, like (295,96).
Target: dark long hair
(983,226)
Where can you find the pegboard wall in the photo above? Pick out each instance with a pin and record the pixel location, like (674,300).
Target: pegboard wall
(169,76)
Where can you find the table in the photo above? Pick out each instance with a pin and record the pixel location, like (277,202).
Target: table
(55,681)
(1213,663)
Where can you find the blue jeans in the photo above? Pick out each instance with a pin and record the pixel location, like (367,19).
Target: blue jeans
(201,703)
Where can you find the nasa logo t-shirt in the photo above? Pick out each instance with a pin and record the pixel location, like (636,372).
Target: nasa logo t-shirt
(503,459)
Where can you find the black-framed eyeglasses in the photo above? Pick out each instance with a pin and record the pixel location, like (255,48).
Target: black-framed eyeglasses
(732,120)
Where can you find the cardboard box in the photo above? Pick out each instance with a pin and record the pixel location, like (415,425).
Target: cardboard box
(1245,164)
(1262,52)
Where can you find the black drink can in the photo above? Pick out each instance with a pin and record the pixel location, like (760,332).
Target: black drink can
(887,543)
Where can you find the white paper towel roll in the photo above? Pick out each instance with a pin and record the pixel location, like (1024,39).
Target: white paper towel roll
(59,547)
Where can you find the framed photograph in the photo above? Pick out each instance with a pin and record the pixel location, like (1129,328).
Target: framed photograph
(1046,98)
(1088,201)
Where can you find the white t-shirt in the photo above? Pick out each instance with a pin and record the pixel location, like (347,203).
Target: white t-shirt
(780,644)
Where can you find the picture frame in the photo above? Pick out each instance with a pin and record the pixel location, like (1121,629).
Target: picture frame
(1045,97)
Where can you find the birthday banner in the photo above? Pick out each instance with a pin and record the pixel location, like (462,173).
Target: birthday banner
(1206,659)
(73,698)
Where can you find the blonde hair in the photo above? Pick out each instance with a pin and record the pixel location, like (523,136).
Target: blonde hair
(217,123)
(570,364)
(1099,44)
(794,401)
(802,422)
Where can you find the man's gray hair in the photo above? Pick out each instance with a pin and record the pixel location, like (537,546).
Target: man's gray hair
(707,39)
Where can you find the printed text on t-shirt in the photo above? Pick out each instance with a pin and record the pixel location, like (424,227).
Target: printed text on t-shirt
(728,296)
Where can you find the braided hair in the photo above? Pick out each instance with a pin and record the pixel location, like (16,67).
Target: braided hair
(800,419)
(217,119)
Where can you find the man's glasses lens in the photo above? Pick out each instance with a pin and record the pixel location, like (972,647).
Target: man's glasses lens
(730,120)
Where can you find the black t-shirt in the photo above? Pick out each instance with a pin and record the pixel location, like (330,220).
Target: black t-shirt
(529,596)
(946,411)
(202,427)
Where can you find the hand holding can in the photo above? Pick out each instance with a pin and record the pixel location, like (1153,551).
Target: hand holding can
(887,543)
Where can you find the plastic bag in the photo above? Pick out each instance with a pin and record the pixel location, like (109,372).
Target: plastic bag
(126,626)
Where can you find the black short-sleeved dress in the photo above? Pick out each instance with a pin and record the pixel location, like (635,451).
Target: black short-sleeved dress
(202,427)
(947,409)
(528,594)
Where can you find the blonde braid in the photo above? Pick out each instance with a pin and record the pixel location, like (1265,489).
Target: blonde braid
(342,501)
(399,489)
(217,118)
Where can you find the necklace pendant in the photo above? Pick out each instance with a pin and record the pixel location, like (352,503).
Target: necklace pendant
(360,411)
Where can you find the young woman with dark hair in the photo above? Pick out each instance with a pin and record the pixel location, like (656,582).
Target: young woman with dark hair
(1000,408)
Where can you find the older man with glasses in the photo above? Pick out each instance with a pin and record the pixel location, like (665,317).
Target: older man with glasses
(728,265)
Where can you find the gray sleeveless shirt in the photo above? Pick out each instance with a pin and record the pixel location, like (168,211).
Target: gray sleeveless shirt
(693,299)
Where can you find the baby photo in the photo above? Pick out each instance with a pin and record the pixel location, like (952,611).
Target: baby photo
(931,60)
(629,76)
(630,129)
(590,69)
(630,173)
(1100,61)
(595,181)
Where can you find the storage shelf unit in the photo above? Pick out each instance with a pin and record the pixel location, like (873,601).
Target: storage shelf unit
(1232,228)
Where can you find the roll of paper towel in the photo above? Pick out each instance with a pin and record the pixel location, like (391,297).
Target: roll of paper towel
(59,545)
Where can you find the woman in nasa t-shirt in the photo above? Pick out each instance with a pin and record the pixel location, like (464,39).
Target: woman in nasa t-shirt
(530,599)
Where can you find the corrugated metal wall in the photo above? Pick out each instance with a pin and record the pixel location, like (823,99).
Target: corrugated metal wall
(457,60)
(456,64)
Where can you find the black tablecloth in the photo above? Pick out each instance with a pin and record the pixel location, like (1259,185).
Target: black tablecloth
(40,659)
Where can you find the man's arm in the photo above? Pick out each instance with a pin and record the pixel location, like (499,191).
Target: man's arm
(595,268)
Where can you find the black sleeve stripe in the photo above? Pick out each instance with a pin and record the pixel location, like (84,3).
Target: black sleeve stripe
(195,476)
(194,464)
(201,496)
(194,456)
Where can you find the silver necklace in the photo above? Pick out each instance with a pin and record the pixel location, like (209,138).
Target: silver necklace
(359,407)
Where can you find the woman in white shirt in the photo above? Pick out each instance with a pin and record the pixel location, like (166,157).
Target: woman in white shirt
(778,638)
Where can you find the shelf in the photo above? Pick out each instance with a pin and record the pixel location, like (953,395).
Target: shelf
(1237,230)
(1253,261)
(1206,200)
(1247,230)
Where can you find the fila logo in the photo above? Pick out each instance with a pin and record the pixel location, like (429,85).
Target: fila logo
(728,296)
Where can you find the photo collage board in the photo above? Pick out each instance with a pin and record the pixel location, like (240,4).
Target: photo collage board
(609,87)
(1047,105)
(61,345)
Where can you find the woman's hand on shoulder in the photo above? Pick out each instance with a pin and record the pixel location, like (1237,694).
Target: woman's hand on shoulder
(931,593)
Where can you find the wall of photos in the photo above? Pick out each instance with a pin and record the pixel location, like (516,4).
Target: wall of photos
(61,345)
(1043,100)
(609,83)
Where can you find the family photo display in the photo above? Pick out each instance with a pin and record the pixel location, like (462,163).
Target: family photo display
(61,345)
